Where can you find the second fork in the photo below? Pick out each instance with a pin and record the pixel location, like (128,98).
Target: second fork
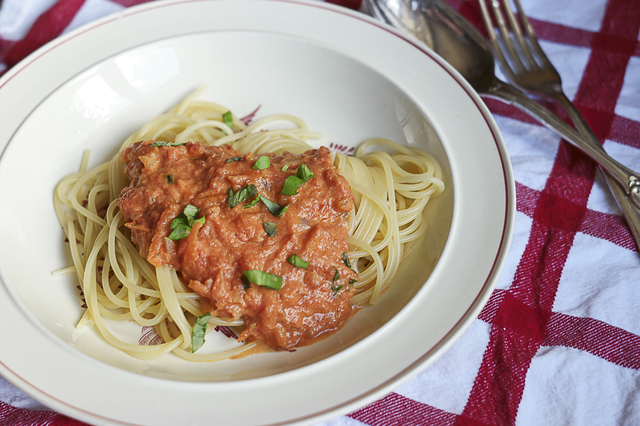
(525,64)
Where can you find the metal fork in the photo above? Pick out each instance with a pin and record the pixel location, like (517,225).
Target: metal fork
(526,65)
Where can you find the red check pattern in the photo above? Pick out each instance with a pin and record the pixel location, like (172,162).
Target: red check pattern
(559,340)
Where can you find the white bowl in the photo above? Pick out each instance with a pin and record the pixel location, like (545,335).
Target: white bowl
(350,78)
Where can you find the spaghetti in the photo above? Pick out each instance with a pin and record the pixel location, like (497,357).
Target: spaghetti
(391,186)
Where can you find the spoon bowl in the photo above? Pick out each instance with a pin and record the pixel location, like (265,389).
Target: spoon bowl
(444,31)
(451,36)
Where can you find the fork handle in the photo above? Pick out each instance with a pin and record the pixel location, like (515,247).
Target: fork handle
(630,211)
(625,177)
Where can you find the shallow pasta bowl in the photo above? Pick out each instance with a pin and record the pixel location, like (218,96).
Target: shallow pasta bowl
(350,78)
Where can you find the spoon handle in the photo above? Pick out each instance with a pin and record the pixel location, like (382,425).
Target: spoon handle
(625,177)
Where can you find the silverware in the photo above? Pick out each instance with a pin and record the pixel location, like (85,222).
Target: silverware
(528,67)
(450,35)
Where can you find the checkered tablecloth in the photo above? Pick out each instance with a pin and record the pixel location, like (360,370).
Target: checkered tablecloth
(559,341)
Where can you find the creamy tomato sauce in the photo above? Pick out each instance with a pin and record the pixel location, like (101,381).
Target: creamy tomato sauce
(312,302)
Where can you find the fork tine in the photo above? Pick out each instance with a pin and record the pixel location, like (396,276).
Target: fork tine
(504,64)
(517,32)
(528,28)
(506,38)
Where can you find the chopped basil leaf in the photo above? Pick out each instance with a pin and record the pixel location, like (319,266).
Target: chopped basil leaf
(304,173)
(183,223)
(352,281)
(170,179)
(243,194)
(291,186)
(345,256)
(284,209)
(297,261)
(227,118)
(336,289)
(262,163)
(199,330)
(232,159)
(284,168)
(245,282)
(252,203)
(263,279)
(160,143)
(270,229)
(293,182)
(179,220)
(179,232)
(190,212)
(274,208)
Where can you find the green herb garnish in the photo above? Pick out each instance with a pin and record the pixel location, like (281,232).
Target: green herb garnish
(304,173)
(245,282)
(336,289)
(293,182)
(160,143)
(199,330)
(270,229)
(232,159)
(262,163)
(252,203)
(227,118)
(170,179)
(297,261)
(291,186)
(183,223)
(274,208)
(345,257)
(243,194)
(263,279)
(284,168)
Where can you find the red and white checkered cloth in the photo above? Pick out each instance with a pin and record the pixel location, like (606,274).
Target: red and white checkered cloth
(559,341)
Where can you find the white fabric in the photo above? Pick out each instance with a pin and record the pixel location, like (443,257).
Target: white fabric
(17,16)
(12,396)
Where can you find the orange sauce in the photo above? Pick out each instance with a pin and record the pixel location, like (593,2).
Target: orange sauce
(212,259)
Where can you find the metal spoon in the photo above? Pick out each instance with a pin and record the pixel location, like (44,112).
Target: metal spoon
(451,36)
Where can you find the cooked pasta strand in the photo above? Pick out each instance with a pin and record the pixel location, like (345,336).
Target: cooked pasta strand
(391,189)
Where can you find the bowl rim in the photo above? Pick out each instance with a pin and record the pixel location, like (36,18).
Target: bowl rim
(464,321)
